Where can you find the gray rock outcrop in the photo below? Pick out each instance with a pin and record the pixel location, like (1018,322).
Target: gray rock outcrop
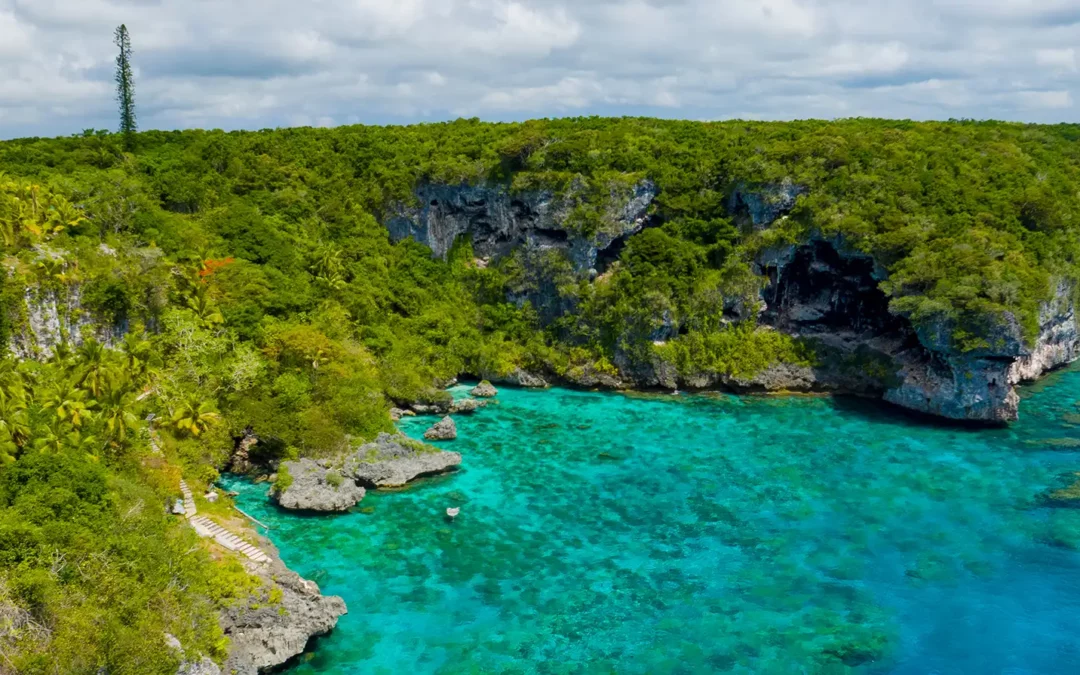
(824,291)
(53,317)
(203,666)
(484,390)
(437,408)
(764,204)
(980,384)
(467,406)
(443,430)
(315,487)
(392,460)
(519,378)
(240,462)
(500,221)
(263,634)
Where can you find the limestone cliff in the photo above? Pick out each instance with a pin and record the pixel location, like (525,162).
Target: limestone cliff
(825,291)
(500,221)
(49,317)
(821,290)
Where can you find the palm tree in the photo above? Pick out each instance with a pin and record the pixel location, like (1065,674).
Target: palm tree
(139,352)
(204,308)
(115,409)
(69,404)
(14,426)
(57,437)
(194,416)
(62,215)
(95,370)
(329,269)
(63,356)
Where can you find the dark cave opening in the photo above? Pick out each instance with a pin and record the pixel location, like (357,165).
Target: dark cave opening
(822,291)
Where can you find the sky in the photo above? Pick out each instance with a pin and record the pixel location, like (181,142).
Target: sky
(252,64)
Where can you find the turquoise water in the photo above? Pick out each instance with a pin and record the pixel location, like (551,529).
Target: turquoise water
(631,534)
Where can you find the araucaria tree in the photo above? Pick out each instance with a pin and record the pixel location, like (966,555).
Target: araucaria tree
(125,86)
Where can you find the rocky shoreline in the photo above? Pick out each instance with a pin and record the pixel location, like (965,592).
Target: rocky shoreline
(272,626)
(276,624)
(264,634)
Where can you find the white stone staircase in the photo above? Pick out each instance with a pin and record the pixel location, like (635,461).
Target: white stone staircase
(208,528)
(189,499)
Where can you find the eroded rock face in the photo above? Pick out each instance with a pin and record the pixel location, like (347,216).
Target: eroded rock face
(315,487)
(438,408)
(240,462)
(823,291)
(761,205)
(1058,342)
(392,460)
(52,318)
(500,221)
(957,387)
(518,378)
(264,634)
(203,666)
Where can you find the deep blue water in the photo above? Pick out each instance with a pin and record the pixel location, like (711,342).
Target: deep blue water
(660,534)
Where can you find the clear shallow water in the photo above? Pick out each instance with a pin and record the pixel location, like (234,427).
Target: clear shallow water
(610,533)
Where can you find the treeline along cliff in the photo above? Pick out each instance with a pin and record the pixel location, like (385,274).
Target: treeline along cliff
(931,264)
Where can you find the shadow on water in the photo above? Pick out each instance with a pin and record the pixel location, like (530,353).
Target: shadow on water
(882,412)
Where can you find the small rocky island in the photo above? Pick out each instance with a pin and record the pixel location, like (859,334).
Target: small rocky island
(335,485)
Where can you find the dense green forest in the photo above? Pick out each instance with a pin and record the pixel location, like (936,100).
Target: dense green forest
(246,279)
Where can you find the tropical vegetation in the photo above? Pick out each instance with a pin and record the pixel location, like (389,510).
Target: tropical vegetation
(217,282)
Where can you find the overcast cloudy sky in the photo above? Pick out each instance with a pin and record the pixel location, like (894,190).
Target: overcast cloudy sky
(263,63)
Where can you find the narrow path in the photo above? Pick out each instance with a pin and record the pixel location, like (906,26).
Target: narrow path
(189,499)
(208,528)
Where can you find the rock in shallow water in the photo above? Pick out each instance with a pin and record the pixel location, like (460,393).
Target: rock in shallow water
(484,390)
(316,488)
(443,430)
(393,460)
(467,406)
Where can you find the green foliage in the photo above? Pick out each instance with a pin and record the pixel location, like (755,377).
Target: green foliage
(284,479)
(740,351)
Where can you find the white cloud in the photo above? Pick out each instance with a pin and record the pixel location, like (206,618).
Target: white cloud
(258,63)
(1057,58)
(853,59)
(1045,99)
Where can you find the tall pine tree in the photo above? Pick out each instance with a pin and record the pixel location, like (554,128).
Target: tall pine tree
(125,87)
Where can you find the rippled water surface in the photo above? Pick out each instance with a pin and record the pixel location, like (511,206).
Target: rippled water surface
(632,534)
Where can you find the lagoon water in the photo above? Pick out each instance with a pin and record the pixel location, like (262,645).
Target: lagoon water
(608,533)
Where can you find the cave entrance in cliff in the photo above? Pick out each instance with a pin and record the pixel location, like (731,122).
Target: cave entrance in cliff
(823,291)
